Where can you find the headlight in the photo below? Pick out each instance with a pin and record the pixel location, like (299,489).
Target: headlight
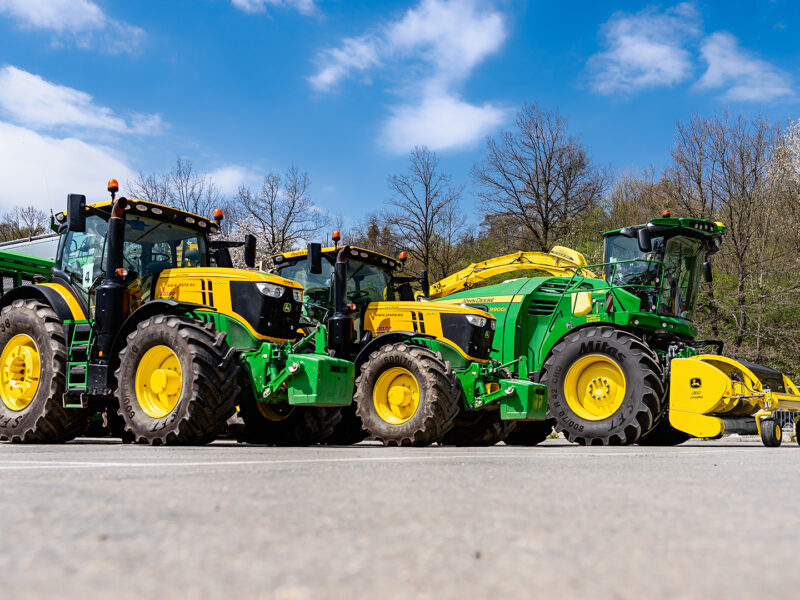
(271,290)
(297,295)
(476,320)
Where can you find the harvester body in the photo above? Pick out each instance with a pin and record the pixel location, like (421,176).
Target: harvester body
(574,331)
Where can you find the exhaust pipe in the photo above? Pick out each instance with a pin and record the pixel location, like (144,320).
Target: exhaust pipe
(340,325)
(112,296)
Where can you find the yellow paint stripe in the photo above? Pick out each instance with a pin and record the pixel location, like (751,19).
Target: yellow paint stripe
(69,298)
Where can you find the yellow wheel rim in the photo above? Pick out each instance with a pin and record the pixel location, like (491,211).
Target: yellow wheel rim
(594,387)
(396,395)
(21,368)
(274,412)
(778,431)
(159,381)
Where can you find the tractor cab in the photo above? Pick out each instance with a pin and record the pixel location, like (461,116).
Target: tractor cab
(370,278)
(661,262)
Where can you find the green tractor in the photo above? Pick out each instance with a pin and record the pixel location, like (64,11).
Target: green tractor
(603,346)
(424,370)
(141,318)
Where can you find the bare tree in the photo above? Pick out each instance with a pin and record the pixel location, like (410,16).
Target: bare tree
(538,177)
(280,213)
(424,211)
(22,222)
(182,187)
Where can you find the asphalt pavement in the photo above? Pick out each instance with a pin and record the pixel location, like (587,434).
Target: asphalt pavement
(97,519)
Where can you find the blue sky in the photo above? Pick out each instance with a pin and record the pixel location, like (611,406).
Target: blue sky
(91,89)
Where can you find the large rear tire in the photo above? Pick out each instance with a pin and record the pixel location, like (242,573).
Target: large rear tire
(478,428)
(177,382)
(605,387)
(407,395)
(33,365)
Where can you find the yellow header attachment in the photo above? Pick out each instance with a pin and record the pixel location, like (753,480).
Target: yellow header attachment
(559,262)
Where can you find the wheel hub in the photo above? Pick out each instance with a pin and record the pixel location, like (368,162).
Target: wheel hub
(21,369)
(396,395)
(159,380)
(594,387)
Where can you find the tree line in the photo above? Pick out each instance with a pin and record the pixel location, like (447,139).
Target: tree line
(538,186)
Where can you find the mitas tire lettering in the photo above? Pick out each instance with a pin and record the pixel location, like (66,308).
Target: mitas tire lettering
(644,399)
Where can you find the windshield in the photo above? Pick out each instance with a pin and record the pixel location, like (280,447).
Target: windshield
(365,284)
(666,280)
(152,246)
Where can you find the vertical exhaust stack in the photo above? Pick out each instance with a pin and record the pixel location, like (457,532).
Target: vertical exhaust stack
(112,296)
(340,325)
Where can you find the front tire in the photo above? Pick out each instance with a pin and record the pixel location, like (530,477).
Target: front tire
(407,395)
(33,364)
(177,382)
(605,387)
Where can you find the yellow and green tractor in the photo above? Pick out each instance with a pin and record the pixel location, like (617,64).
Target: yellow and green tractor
(424,370)
(142,319)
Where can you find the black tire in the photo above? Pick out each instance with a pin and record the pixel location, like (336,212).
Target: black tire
(664,434)
(287,425)
(771,433)
(349,430)
(530,433)
(209,387)
(644,392)
(44,419)
(439,395)
(478,428)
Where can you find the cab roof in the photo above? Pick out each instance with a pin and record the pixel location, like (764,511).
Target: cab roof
(152,210)
(703,227)
(369,256)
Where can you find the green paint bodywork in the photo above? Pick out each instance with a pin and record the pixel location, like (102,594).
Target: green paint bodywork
(23,268)
(280,373)
(535,313)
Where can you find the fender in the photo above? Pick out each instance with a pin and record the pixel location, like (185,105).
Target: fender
(48,295)
(391,337)
(151,309)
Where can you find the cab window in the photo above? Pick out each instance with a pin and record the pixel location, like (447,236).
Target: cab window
(81,255)
(152,246)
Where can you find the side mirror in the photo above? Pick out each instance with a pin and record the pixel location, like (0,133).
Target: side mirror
(426,284)
(707,272)
(76,212)
(645,242)
(315,258)
(250,250)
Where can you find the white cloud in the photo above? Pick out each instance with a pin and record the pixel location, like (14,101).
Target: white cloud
(81,21)
(230,177)
(40,170)
(30,100)
(746,77)
(305,7)
(442,122)
(645,50)
(355,54)
(427,54)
